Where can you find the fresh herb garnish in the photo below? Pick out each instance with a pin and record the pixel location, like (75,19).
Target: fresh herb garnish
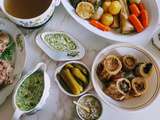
(8,53)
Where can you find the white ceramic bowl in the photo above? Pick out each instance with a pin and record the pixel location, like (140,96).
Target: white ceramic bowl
(18,112)
(32,22)
(82,97)
(60,86)
(142,55)
(143,37)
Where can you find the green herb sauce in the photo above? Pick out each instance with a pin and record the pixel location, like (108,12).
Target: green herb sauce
(30,91)
(60,42)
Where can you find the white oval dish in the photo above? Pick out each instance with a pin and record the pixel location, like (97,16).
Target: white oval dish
(138,38)
(18,113)
(60,86)
(58,55)
(20,55)
(142,55)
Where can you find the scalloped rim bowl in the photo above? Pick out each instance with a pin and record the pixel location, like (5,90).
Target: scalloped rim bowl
(139,38)
(59,55)
(142,55)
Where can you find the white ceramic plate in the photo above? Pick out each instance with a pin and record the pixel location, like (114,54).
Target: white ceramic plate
(143,37)
(58,55)
(20,55)
(142,55)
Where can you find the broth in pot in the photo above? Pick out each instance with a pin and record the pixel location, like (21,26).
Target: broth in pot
(26,9)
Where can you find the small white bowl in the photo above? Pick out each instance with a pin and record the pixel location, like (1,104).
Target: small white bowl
(60,86)
(18,112)
(142,55)
(138,38)
(82,98)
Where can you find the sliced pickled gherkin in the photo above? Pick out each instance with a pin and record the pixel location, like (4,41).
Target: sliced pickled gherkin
(69,66)
(69,79)
(81,68)
(62,82)
(78,74)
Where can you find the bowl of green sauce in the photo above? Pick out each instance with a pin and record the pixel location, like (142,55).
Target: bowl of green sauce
(60,46)
(31,92)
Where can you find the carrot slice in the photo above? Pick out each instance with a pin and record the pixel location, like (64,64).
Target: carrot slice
(144,18)
(99,25)
(134,9)
(136,23)
(141,6)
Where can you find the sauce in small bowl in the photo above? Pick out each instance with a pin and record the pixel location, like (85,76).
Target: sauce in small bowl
(93,103)
(30,91)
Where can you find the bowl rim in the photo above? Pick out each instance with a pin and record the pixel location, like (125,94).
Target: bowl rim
(60,86)
(93,95)
(117,38)
(150,57)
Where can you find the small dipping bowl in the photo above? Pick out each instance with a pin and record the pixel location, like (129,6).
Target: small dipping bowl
(87,88)
(87,100)
(18,112)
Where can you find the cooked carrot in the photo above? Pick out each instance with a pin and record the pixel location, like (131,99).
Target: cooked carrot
(134,9)
(141,6)
(136,23)
(144,18)
(99,25)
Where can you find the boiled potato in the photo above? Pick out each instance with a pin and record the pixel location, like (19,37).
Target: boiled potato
(115,7)
(107,19)
(106,5)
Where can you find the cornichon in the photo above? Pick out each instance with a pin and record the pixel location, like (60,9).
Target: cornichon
(81,68)
(78,74)
(71,81)
(69,66)
(63,84)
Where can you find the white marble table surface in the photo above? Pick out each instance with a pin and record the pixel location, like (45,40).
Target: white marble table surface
(59,106)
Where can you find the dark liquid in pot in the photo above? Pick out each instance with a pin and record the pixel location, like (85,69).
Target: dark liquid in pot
(26,9)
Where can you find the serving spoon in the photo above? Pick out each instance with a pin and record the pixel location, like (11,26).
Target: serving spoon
(82,106)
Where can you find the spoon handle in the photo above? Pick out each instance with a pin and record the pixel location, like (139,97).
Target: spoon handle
(83,107)
(17,114)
